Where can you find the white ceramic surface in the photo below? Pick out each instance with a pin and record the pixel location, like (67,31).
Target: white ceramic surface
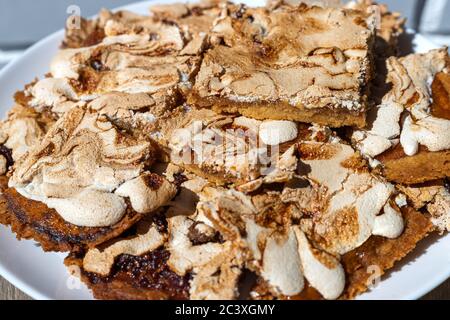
(43,275)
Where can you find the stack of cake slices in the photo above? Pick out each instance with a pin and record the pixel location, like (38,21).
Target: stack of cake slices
(219,151)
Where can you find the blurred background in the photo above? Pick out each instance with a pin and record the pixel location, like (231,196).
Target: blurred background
(23,22)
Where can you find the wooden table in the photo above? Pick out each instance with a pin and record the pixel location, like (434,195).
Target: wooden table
(9,292)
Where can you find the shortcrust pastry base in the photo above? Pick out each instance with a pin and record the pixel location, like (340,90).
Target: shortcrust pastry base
(219,178)
(422,167)
(334,118)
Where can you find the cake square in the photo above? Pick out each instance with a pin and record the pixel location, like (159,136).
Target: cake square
(408,133)
(306,64)
(86,182)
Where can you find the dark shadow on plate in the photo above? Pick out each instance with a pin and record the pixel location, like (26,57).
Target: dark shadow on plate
(405,43)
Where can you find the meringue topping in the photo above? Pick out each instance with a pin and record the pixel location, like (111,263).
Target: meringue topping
(323,271)
(137,54)
(81,161)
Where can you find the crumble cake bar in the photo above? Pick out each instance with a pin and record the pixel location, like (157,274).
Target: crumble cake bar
(92,32)
(23,129)
(133,267)
(166,256)
(193,17)
(409,132)
(138,54)
(86,182)
(292,63)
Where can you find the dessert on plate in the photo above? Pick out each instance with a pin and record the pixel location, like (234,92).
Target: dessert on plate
(65,192)
(408,134)
(218,151)
(297,63)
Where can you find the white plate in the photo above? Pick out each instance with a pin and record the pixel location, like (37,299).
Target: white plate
(43,275)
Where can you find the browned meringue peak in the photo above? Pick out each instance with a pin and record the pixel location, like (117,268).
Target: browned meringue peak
(136,111)
(411,79)
(107,23)
(22,130)
(215,266)
(147,193)
(85,167)
(435,198)
(288,259)
(281,264)
(194,246)
(3,165)
(124,72)
(117,105)
(314,57)
(356,202)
